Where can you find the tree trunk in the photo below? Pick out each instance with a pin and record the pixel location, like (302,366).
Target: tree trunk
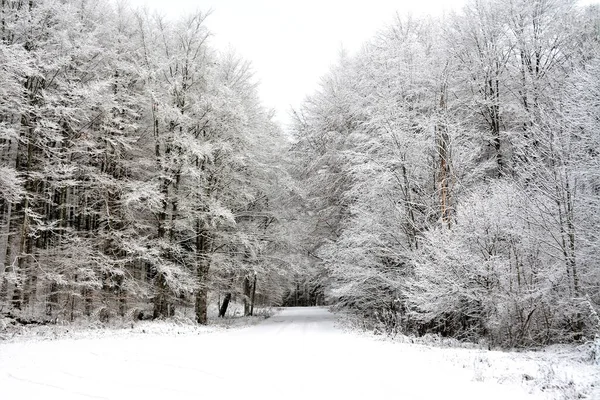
(253,295)
(223,309)
(246,296)
(443,150)
(202,297)
(162,307)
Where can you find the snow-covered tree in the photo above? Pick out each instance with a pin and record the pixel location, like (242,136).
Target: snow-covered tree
(467,171)
(130,149)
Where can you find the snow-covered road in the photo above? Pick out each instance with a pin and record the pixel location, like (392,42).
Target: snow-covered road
(297,354)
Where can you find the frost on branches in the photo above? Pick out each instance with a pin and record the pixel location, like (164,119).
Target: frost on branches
(139,173)
(452,169)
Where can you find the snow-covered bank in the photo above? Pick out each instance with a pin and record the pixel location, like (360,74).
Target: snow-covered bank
(82,329)
(556,372)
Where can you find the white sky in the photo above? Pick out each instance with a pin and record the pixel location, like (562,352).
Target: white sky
(293,43)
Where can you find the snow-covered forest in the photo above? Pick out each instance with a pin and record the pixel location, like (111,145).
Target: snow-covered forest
(139,170)
(445,179)
(453,172)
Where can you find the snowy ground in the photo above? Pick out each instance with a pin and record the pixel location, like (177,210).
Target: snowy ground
(297,354)
(559,372)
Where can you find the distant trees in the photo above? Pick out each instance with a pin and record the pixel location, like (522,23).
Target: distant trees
(457,157)
(136,165)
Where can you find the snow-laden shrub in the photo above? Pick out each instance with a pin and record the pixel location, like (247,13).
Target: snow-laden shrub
(493,274)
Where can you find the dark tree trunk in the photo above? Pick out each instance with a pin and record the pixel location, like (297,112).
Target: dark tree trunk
(253,295)
(201,305)
(202,249)
(223,309)
(246,296)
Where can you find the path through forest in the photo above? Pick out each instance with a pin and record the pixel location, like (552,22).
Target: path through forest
(297,354)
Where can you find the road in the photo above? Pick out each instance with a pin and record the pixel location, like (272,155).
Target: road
(297,354)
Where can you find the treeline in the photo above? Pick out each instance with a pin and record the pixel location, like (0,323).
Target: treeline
(138,170)
(453,172)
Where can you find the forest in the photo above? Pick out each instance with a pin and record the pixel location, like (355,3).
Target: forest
(445,179)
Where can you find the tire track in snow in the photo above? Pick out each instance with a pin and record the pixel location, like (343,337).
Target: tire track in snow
(91,396)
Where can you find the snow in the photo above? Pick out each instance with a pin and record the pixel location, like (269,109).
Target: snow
(297,354)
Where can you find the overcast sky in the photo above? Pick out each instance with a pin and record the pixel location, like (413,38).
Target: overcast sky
(292,43)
